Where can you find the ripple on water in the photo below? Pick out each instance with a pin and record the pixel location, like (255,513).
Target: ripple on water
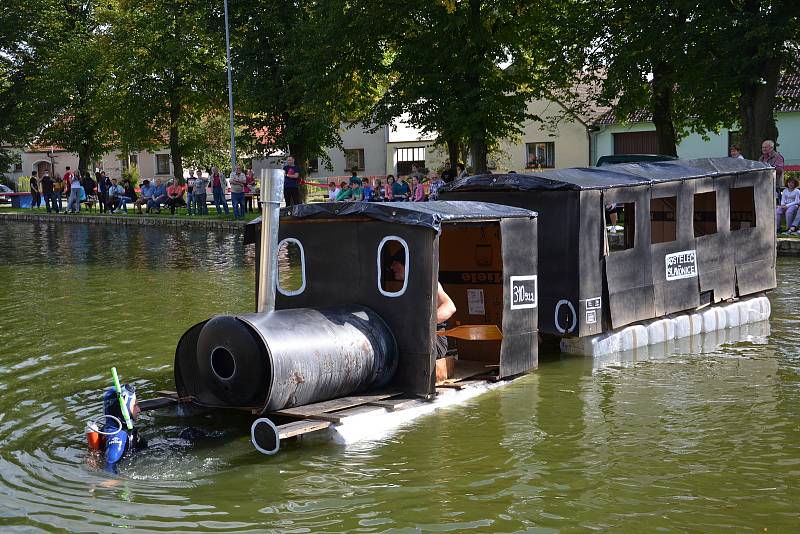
(700,437)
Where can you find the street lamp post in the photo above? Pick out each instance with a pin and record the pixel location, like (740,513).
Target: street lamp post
(230,87)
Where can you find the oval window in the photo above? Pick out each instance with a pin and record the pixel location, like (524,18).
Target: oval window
(393,263)
(291,267)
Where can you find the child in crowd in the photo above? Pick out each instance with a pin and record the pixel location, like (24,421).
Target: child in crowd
(788,205)
(333,191)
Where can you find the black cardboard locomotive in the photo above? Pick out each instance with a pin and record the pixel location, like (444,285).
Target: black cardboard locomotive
(348,325)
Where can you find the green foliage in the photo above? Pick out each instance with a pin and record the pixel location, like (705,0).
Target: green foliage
(170,70)
(295,81)
(444,63)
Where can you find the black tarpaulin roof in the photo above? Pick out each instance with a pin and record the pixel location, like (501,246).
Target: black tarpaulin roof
(607,176)
(427,214)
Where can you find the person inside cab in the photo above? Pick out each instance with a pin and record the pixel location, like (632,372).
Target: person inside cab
(445,308)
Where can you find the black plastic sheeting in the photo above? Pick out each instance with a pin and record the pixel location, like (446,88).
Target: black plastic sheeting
(426,214)
(607,176)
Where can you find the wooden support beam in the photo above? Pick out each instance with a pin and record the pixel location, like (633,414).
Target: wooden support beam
(310,410)
(298,428)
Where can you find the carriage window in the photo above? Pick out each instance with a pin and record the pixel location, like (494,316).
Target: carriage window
(393,263)
(663,225)
(291,267)
(622,220)
(743,208)
(705,213)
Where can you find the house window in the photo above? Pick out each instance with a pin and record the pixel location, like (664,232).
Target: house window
(540,155)
(162,163)
(705,213)
(313,165)
(626,216)
(407,157)
(291,267)
(353,159)
(393,263)
(743,208)
(663,225)
(133,159)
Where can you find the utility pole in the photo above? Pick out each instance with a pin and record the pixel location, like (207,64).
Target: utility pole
(230,88)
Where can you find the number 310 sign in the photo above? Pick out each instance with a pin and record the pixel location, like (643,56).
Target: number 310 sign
(523,292)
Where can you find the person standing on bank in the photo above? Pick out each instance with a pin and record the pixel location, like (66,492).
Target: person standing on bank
(74,202)
(772,157)
(190,194)
(36,195)
(218,190)
(199,193)
(238,181)
(48,194)
(291,182)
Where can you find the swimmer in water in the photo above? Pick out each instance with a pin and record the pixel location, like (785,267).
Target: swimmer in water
(120,441)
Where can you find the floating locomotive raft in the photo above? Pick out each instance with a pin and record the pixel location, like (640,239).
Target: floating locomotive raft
(358,329)
(696,233)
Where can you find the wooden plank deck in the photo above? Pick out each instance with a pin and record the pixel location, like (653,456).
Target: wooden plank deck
(298,428)
(310,410)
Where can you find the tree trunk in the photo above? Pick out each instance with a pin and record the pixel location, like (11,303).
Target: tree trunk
(479,153)
(661,105)
(174,135)
(84,157)
(757,108)
(453,154)
(477,134)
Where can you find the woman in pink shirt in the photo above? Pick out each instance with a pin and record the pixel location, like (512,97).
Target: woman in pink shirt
(218,190)
(417,190)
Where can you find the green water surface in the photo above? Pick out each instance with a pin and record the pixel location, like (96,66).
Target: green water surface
(703,439)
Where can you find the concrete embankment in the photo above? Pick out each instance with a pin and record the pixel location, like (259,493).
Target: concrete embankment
(129,220)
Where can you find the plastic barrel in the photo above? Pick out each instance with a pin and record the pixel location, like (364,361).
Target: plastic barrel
(285,358)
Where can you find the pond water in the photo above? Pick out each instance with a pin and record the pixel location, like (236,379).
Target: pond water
(692,442)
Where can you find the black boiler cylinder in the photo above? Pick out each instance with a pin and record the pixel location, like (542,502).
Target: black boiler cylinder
(285,358)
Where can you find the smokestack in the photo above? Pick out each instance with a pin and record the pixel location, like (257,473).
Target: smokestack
(271,192)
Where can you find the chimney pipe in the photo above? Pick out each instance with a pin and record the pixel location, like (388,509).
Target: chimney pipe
(271,192)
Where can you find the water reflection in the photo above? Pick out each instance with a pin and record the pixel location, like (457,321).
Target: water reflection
(137,247)
(700,436)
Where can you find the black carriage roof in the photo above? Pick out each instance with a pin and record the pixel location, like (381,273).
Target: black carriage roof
(426,214)
(607,176)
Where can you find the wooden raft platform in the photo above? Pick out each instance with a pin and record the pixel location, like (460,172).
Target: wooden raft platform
(321,415)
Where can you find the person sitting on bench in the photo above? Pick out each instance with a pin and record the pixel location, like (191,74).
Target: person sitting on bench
(445,308)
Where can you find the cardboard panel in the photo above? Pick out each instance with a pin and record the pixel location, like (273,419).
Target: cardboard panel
(521,285)
(628,274)
(754,248)
(346,272)
(714,253)
(557,244)
(590,264)
(675,293)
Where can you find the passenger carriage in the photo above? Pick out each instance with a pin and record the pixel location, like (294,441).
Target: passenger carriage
(695,233)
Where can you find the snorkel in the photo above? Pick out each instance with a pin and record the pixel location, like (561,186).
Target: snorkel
(122,405)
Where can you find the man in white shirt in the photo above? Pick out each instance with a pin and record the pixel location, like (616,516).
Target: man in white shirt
(238,181)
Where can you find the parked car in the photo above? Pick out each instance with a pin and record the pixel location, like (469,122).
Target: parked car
(5,199)
(632,158)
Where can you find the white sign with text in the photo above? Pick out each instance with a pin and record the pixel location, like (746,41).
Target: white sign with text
(681,265)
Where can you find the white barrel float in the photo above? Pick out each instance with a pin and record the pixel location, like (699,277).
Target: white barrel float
(709,320)
(270,361)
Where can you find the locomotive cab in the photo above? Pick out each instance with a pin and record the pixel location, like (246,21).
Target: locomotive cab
(355,311)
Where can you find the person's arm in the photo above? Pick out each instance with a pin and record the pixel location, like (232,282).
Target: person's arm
(444,305)
(779,162)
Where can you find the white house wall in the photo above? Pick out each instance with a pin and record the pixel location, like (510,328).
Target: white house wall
(357,137)
(694,146)
(570,139)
